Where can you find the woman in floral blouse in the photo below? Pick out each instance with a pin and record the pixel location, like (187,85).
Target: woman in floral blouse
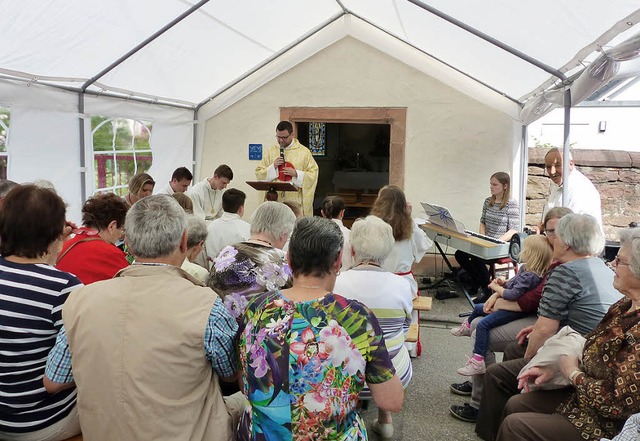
(306,352)
(604,390)
(258,264)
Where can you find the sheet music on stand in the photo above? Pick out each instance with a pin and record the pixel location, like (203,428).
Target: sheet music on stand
(441,216)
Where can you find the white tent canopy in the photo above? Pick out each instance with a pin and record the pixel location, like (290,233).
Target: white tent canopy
(199,58)
(217,42)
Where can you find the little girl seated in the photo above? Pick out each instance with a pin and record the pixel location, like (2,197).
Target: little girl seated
(536,255)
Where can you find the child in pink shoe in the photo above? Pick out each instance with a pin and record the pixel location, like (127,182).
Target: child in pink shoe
(537,255)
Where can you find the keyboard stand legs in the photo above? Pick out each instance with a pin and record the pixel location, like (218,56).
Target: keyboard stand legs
(464,290)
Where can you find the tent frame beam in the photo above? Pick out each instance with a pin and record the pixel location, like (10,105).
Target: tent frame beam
(515,52)
(106,70)
(273,57)
(482,83)
(143,44)
(489,39)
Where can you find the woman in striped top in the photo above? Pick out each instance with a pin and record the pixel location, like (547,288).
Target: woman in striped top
(388,295)
(500,220)
(32,293)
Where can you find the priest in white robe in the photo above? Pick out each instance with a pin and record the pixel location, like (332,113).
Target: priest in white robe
(303,175)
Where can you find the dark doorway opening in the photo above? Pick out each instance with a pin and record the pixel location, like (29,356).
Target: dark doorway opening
(355,164)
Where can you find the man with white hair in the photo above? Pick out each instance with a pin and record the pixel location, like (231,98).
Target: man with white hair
(582,195)
(578,293)
(148,347)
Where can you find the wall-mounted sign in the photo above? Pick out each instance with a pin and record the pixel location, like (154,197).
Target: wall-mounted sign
(255,152)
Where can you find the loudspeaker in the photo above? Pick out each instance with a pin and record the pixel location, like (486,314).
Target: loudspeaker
(515,246)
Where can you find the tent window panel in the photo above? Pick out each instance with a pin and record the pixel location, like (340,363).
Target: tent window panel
(5,118)
(121,148)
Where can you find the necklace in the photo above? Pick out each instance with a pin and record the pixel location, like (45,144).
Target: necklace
(151,264)
(368,263)
(308,286)
(261,240)
(212,201)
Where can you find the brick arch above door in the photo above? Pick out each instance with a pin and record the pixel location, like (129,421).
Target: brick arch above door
(396,117)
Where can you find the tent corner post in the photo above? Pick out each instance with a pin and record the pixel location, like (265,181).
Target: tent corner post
(83,169)
(566,154)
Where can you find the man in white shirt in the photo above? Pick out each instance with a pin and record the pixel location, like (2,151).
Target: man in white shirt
(582,196)
(180,181)
(229,228)
(207,194)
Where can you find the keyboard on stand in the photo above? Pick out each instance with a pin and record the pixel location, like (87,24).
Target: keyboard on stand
(470,242)
(487,238)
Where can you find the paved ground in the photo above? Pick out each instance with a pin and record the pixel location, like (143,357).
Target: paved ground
(425,415)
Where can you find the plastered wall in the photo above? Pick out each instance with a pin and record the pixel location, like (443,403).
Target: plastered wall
(453,143)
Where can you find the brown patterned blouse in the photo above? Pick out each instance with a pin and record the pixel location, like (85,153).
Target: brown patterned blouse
(609,390)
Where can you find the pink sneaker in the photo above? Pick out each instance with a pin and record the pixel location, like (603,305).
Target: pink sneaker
(473,367)
(461,331)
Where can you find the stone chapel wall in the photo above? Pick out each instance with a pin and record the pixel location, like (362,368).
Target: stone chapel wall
(616,175)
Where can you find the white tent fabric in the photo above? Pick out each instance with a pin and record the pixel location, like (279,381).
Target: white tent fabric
(68,43)
(598,74)
(179,62)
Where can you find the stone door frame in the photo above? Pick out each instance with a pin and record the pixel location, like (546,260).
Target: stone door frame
(396,117)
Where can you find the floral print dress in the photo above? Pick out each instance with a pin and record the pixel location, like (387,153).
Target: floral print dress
(304,365)
(245,269)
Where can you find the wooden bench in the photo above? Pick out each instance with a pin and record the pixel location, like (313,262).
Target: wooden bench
(422,303)
(419,304)
(412,335)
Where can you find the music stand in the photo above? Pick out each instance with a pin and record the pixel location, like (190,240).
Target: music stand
(441,216)
(272,188)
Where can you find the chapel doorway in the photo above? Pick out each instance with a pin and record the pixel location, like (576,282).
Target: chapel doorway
(364,149)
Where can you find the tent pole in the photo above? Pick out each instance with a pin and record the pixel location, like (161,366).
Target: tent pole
(490,39)
(271,58)
(146,42)
(439,60)
(566,145)
(154,101)
(83,161)
(524,173)
(195,142)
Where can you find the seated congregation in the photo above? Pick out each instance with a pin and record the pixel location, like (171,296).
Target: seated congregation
(114,335)
(150,322)
(570,371)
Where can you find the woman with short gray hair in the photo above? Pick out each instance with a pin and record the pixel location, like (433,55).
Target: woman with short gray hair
(582,233)
(386,294)
(312,349)
(272,223)
(257,264)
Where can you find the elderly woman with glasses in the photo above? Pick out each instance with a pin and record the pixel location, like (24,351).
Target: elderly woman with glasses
(307,352)
(258,264)
(603,389)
